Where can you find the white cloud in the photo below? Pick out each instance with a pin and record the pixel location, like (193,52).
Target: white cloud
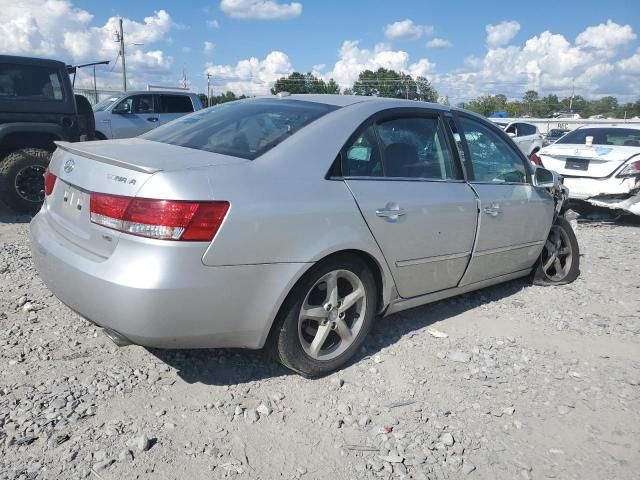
(213,24)
(208,47)
(631,64)
(186,49)
(606,36)
(251,76)
(260,9)
(406,30)
(354,60)
(58,29)
(502,33)
(439,43)
(548,63)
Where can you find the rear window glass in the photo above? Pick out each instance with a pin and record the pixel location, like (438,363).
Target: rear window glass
(30,82)
(626,137)
(244,129)
(174,104)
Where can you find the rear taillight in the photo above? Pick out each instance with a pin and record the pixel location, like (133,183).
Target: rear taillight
(630,170)
(535,159)
(160,219)
(49,182)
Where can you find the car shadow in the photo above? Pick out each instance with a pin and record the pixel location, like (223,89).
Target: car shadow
(236,366)
(10,216)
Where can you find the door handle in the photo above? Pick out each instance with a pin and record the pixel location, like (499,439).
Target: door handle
(390,212)
(494,210)
(152,119)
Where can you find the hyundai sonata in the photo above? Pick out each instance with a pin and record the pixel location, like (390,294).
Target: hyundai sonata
(292,222)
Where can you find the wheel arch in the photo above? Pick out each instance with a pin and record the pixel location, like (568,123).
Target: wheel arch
(384,283)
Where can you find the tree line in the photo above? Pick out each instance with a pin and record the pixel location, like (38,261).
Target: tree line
(389,83)
(533,105)
(381,83)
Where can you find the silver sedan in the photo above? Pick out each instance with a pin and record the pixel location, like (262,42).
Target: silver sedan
(292,222)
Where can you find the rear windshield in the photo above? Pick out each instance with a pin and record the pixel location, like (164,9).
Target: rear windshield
(245,129)
(627,137)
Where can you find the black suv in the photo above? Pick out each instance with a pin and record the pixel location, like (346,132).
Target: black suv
(37,107)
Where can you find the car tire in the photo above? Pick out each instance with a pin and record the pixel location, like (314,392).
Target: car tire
(22,179)
(314,337)
(559,262)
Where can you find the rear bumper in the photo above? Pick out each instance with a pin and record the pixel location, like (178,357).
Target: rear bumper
(583,188)
(160,295)
(615,193)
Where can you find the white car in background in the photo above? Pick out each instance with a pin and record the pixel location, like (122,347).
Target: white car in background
(525,135)
(131,114)
(600,165)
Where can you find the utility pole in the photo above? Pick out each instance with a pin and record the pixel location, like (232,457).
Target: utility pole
(124,66)
(208,90)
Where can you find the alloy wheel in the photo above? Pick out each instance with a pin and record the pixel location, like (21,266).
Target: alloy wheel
(29,183)
(332,314)
(557,255)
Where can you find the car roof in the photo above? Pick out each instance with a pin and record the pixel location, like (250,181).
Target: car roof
(31,61)
(346,100)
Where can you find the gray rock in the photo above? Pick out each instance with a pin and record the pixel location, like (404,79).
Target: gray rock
(142,443)
(468,468)
(104,464)
(364,420)
(447,439)
(251,415)
(125,455)
(99,456)
(264,410)
(391,458)
(459,356)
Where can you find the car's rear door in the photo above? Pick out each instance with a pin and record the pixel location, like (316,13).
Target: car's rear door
(515,216)
(408,185)
(172,106)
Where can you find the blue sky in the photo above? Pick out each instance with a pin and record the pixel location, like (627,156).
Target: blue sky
(591,47)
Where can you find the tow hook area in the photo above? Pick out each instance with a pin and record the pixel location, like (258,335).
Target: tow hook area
(117,338)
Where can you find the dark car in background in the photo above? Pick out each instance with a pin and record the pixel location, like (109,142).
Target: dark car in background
(37,108)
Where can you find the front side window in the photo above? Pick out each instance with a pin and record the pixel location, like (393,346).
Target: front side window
(140,104)
(175,104)
(526,129)
(492,159)
(30,82)
(245,129)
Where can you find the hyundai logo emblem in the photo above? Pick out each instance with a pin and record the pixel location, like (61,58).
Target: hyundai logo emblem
(68,165)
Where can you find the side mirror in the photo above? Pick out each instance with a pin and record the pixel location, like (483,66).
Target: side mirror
(121,109)
(544,178)
(511,134)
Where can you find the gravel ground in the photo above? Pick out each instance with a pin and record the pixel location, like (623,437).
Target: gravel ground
(529,382)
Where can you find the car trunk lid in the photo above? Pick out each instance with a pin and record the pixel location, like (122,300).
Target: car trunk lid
(598,161)
(115,168)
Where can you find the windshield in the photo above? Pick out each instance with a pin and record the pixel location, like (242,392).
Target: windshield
(104,104)
(245,129)
(627,137)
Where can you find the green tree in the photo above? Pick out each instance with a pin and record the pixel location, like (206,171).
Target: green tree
(304,83)
(389,83)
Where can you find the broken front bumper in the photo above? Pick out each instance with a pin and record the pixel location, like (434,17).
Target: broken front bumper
(614,192)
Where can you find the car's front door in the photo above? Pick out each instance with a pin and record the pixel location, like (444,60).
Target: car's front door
(133,116)
(515,216)
(408,186)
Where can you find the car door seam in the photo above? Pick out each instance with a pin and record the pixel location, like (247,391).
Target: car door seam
(475,238)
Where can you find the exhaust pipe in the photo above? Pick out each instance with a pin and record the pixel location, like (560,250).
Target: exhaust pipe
(117,338)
